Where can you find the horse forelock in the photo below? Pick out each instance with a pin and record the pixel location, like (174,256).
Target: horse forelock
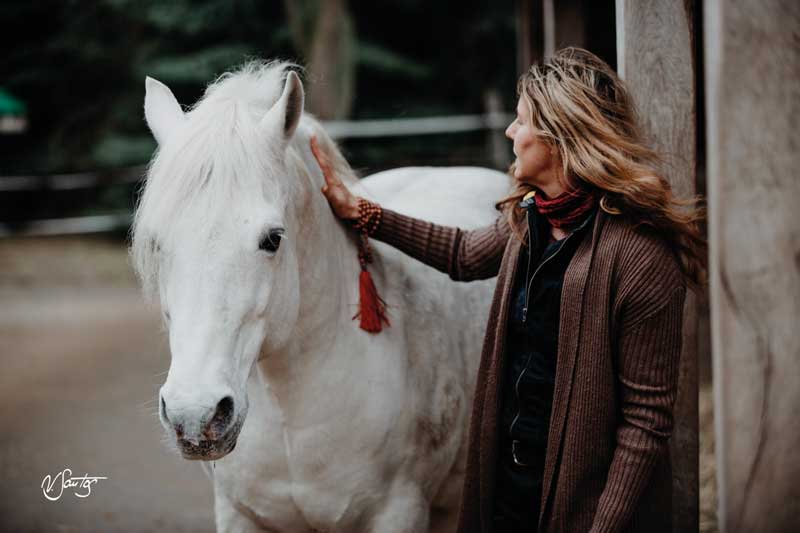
(219,159)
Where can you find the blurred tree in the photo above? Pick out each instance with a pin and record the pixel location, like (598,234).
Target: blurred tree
(323,32)
(80,66)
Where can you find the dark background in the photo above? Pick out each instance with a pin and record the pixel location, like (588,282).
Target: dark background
(79,67)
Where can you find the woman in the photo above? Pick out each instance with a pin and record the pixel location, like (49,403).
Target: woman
(575,392)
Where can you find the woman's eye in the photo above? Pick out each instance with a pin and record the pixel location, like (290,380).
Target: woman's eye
(271,241)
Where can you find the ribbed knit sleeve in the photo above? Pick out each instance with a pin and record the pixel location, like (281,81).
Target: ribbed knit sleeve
(649,351)
(464,255)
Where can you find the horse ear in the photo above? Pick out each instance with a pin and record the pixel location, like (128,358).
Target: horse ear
(161,110)
(284,116)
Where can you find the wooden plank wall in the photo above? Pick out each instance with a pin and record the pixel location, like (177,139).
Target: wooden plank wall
(655,57)
(753,106)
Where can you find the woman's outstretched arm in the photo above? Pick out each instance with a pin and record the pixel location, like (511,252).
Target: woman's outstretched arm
(464,255)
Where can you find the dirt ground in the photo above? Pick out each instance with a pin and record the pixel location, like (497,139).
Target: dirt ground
(81,360)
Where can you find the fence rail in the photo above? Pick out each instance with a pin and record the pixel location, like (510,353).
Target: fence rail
(67,182)
(403,127)
(342,129)
(70,225)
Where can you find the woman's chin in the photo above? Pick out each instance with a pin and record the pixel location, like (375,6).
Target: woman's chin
(520,174)
(522,178)
(527,178)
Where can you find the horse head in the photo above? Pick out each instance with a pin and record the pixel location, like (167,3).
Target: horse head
(214,242)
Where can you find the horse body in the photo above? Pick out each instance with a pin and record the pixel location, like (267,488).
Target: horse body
(372,436)
(335,429)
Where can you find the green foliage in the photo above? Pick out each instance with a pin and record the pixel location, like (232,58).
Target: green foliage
(198,67)
(122,150)
(381,59)
(10,105)
(79,66)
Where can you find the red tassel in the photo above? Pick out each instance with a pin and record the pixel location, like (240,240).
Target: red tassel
(371,307)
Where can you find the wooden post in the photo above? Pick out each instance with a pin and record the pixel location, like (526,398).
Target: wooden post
(524,29)
(563,25)
(655,57)
(586,24)
(753,103)
(548,28)
(544,26)
(497,144)
(529,33)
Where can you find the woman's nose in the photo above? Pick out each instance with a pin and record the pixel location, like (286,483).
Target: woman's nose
(509,132)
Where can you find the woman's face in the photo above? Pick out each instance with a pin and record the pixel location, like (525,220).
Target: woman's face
(537,162)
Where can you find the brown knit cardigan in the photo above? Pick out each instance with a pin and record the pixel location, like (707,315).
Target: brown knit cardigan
(607,465)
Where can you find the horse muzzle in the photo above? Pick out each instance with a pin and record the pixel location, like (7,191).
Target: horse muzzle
(203,434)
(209,449)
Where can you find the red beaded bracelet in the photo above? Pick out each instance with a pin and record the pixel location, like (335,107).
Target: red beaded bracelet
(369,216)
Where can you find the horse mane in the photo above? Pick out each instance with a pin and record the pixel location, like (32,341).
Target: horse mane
(211,163)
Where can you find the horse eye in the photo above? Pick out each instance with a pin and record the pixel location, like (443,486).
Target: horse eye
(271,241)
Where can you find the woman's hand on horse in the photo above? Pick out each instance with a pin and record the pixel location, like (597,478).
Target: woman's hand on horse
(343,202)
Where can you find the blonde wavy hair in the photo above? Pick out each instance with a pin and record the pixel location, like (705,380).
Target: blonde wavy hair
(583,109)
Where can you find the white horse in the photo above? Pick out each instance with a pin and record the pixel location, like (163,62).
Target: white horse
(335,429)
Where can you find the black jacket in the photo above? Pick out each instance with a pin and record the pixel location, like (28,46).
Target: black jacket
(530,369)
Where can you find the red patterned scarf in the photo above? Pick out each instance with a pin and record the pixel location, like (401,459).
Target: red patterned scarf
(568,208)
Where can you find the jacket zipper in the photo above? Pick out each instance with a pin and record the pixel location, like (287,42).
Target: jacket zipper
(530,282)
(516,392)
(525,311)
(527,270)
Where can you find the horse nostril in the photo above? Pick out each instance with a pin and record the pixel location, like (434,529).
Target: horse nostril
(164,409)
(224,409)
(222,417)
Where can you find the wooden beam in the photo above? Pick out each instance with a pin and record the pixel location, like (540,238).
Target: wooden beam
(564,24)
(753,103)
(548,28)
(586,24)
(655,57)
(529,33)
(523,22)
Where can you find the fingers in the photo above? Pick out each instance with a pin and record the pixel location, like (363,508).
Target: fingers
(320,156)
(324,163)
(315,149)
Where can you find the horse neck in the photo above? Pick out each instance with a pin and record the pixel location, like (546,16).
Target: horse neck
(328,265)
(327,253)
